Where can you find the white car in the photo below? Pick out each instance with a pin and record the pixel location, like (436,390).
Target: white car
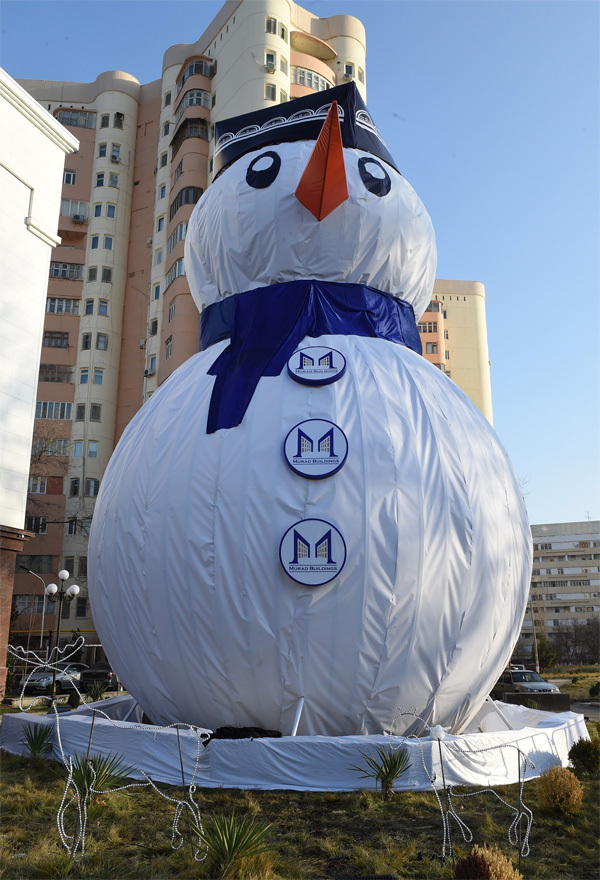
(523,681)
(40,680)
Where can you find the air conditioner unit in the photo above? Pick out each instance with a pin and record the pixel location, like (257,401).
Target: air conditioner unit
(148,373)
(271,67)
(78,218)
(115,158)
(348,76)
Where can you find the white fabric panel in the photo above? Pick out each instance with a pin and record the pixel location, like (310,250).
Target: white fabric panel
(385,242)
(198,617)
(310,763)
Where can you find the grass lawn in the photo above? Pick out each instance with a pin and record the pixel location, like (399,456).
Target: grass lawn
(315,835)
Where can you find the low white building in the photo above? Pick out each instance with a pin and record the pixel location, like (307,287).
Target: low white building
(33,146)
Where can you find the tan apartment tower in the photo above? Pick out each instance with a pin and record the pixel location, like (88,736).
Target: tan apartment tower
(119,315)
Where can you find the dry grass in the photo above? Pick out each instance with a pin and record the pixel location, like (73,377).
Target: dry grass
(316,835)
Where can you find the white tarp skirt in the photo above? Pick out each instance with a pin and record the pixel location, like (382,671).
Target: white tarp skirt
(313,763)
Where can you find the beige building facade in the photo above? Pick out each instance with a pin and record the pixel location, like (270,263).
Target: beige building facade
(119,316)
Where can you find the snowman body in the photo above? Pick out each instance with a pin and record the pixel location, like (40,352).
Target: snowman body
(197,586)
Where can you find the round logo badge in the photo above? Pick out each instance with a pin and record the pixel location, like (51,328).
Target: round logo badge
(312,552)
(315,448)
(317,365)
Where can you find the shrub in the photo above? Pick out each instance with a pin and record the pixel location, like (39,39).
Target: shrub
(595,689)
(74,700)
(389,764)
(102,773)
(485,862)
(584,756)
(559,790)
(38,739)
(95,690)
(230,841)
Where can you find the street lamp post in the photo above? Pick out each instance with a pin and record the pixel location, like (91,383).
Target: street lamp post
(43,604)
(535,647)
(53,592)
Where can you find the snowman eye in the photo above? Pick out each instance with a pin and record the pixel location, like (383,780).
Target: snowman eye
(374,176)
(263,170)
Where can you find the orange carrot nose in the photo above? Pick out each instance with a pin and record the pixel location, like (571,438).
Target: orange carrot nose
(323,184)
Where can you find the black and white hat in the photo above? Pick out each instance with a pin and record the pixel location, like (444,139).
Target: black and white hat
(299,120)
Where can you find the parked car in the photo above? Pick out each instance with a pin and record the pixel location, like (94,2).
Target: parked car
(67,676)
(523,681)
(103,673)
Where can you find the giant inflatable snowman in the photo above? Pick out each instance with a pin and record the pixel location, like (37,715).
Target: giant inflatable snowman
(307,508)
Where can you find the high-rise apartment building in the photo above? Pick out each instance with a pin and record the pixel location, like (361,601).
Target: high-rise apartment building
(119,315)
(564,601)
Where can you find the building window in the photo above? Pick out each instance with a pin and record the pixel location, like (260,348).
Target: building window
(103,307)
(160,224)
(78,449)
(118,120)
(152,364)
(206,68)
(72,527)
(171,310)
(55,373)
(82,566)
(115,152)
(98,210)
(168,348)
(95,412)
(91,488)
(157,291)
(50,409)
(431,348)
(86,341)
(81,606)
(102,150)
(282,96)
(39,564)
(427,327)
(93,449)
(162,191)
(283,65)
(177,235)
(86,523)
(361,75)
(110,211)
(59,306)
(72,271)
(53,339)
(434,307)
(108,243)
(302,76)
(166,127)
(69,177)
(190,128)
(193,98)
(100,178)
(178,268)
(158,257)
(154,327)
(77,118)
(189,195)
(113,180)
(447,355)
(80,412)
(270,92)
(89,307)
(270,60)
(106,274)
(92,273)
(98,376)
(75,209)
(178,172)
(38,485)
(102,341)
(104,120)
(95,241)
(37,524)
(83,376)
(271,26)
(74,487)
(348,70)
(164,158)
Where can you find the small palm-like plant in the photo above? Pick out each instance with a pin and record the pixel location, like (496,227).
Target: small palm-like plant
(38,739)
(95,690)
(384,767)
(231,840)
(100,773)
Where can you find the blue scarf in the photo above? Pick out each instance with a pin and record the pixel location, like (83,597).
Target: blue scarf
(267,324)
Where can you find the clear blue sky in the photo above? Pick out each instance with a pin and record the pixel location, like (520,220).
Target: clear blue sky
(491,110)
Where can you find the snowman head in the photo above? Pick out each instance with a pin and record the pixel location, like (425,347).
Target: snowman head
(309,190)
